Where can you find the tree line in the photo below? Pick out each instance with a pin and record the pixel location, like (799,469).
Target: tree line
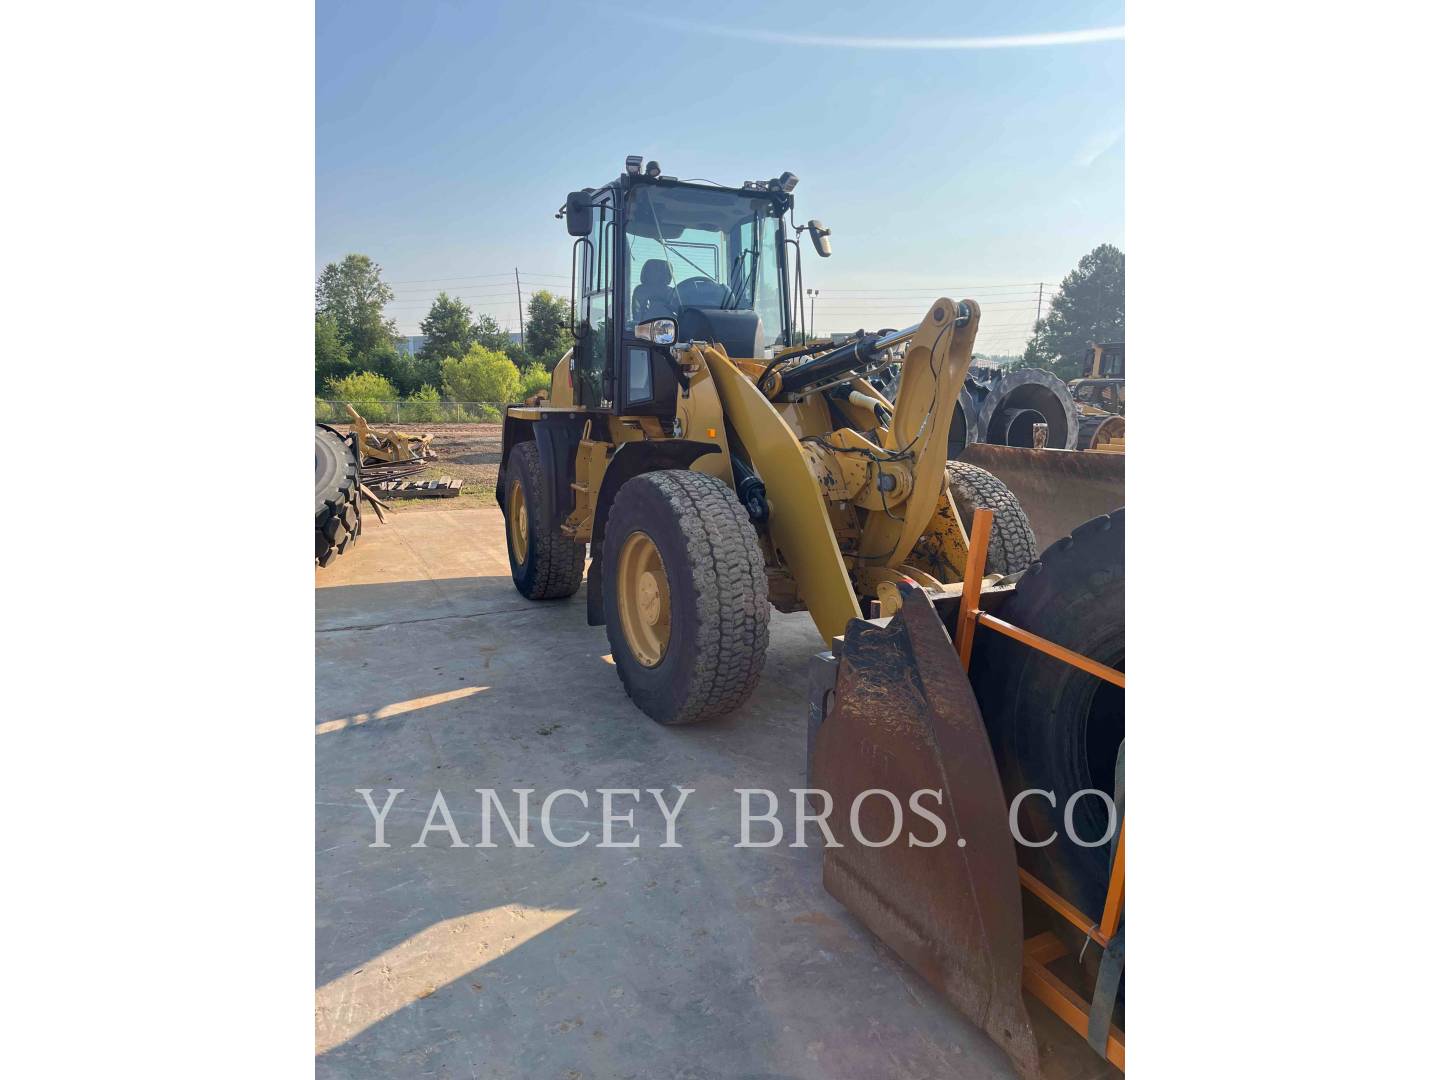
(1088,307)
(465,358)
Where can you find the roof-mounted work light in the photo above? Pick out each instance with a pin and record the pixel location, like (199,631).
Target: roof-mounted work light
(632,164)
(652,170)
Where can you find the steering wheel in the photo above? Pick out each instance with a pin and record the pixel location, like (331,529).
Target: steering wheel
(700,291)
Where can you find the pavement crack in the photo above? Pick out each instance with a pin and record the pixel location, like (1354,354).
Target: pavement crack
(432,618)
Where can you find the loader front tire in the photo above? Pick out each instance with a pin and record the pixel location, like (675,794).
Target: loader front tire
(686,604)
(337,496)
(545,564)
(1012,540)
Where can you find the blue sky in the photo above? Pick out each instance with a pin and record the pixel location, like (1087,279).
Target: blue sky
(447,135)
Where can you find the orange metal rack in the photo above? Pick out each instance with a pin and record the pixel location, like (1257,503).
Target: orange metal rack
(1045,948)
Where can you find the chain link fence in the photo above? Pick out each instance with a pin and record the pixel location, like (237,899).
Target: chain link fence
(412,412)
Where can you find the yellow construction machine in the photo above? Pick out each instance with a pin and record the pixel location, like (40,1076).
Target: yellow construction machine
(388,446)
(718,463)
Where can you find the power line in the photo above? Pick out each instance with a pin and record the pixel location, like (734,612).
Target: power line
(1021,286)
(461,290)
(510,292)
(453,296)
(472,277)
(898,305)
(880,294)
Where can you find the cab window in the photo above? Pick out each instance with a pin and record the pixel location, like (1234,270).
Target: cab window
(592,350)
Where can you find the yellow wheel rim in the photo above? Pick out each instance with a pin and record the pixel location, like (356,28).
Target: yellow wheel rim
(644,594)
(518,519)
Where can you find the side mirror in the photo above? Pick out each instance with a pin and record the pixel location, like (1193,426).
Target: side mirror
(660,331)
(579,214)
(821,236)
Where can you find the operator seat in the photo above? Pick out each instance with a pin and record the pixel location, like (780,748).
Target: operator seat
(654,297)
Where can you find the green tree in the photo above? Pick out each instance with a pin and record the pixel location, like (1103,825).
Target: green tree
(406,372)
(489,334)
(371,394)
(352,293)
(331,359)
(533,379)
(449,329)
(1090,307)
(517,354)
(547,327)
(422,407)
(480,375)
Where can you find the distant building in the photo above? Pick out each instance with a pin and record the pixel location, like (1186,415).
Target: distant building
(411,344)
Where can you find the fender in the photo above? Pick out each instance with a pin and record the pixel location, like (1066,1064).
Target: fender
(630,460)
(514,432)
(556,438)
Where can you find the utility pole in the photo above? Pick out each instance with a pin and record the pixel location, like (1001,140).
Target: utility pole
(1039,302)
(521,305)
(812,293)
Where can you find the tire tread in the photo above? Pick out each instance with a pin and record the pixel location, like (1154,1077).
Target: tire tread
(731,593)
(337,518)
(1012,540)
(559,562)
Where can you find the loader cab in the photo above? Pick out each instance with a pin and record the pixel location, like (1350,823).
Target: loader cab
(1107,360)
(710,259)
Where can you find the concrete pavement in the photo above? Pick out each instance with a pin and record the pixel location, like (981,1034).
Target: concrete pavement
(701,961)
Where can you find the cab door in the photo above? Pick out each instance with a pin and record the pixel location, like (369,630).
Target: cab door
(593,362)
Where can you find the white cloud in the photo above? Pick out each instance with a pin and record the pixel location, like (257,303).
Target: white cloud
(1008,41)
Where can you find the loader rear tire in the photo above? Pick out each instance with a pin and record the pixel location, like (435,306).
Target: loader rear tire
(1054,727)
(687,610)
(337,496)
(545,564)
(1012,540)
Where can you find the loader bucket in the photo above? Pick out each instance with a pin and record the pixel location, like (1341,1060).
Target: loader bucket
(1059,490)
(904,719)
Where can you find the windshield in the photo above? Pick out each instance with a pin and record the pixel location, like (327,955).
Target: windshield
(696,248)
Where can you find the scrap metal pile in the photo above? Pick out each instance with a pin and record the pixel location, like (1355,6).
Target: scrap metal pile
(389,447)
(364,465)
(391,459)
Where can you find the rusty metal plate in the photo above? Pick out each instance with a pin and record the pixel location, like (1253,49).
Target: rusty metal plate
(1058,489)
(904,719)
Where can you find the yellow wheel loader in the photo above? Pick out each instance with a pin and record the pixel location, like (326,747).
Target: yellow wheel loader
(718,462)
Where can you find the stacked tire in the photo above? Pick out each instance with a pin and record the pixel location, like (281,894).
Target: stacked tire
(337,495)
(1057,729)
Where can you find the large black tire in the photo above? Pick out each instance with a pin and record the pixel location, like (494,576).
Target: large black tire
(1012,540)
(337,496)
(1053,726)
(719,609)
(551,565)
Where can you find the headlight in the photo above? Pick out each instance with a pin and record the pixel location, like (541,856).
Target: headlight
(660,331)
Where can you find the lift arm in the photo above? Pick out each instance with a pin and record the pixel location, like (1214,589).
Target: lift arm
(930,382)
